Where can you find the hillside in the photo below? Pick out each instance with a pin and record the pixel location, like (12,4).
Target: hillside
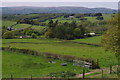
(27,10)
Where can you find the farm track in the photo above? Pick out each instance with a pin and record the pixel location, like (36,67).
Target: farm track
(105,71)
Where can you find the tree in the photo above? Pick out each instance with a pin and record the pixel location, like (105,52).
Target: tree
(51,23)
(33,35)
(49,33)
(8,35)
(111,40)
(77,32)
(98,14)
(99,18)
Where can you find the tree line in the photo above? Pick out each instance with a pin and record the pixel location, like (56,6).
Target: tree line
(65,30)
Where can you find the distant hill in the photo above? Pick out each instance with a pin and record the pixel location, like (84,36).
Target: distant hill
(27,10)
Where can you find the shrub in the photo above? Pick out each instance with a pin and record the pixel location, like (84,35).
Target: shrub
(8,35)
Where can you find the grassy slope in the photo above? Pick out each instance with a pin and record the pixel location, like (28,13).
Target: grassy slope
(7,23)
(19,26)
(26,65)
(66,48)
(96,40)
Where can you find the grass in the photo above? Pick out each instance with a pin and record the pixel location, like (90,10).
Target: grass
(8,23)
(95,40)
(23,66)
(65,48)
(92,74)
(62,20)
(92,19)
(20,26)
(108,16)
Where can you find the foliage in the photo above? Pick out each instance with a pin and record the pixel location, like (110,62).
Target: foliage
(63,47)
(8,35)
(111,39)
(65,30)
(33,35)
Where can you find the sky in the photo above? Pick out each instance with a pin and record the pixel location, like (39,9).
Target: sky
(56,3)
(60,0)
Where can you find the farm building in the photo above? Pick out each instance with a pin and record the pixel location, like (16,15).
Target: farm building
(24,37)
(71,17)
(90,34)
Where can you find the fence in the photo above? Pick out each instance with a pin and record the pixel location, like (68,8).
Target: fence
(54,56)
(52,77)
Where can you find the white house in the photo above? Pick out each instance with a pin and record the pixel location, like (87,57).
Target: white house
(71,17)
(91,34)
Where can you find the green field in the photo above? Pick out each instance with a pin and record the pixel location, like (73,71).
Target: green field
(37,66)
(20,26)
(62,20)
(8,23)
(66,48)
(95,40)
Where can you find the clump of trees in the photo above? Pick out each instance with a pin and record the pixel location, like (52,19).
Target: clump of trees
(65,30)
(33,33)
(111,39)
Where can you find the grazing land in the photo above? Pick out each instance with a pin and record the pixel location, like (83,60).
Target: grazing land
(37,66)
(66,48)
(59,34)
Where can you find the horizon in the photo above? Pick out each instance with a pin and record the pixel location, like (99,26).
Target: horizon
(110,5)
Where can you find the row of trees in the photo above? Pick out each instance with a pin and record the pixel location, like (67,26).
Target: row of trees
(22,32)
(65,30)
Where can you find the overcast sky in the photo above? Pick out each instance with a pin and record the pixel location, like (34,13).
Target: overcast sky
(56,3)
(59,0)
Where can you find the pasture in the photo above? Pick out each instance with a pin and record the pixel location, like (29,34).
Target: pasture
(95,40)
(66,48)
(20,26)
(37,66)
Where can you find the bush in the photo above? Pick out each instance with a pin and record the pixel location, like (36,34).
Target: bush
(99,18)
(8,35)
(33,35)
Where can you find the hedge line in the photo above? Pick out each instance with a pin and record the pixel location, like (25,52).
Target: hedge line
(52,55)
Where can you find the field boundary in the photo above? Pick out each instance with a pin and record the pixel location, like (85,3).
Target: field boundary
(54,56)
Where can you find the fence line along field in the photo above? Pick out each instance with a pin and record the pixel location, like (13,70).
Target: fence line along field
(65,48)
(56,45)
(37,66)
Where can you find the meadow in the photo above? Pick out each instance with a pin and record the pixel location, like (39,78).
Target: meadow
(95,40)
(66,48)
(8,23)
(37,66)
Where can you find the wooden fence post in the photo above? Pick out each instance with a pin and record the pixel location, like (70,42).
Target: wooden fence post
(11,77)
(68,75)
(31,77)
(110,69)
(102,73)
(83,73)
